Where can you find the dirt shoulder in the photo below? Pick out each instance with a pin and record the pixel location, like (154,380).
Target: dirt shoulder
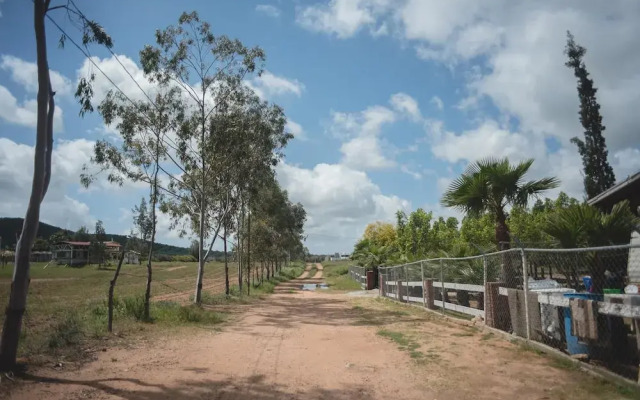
(320,345)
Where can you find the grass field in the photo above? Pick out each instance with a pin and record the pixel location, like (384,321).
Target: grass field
(337,275)
(67,306)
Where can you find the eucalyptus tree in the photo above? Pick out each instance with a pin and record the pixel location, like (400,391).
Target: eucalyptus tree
(45,110)
(279,225)
(144,154)
(229,139)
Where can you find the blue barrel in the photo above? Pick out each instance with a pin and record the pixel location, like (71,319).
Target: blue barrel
(573,346)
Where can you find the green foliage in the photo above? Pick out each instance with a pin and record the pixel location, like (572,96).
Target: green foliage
(342,282)
(194,249)
(133,307)
(82,235)
(193,313)
(339,271)
(489,185)
(598,174)
(420,236)
(183,258)
(40,244)
(582,225)
(68,331)
(479,230)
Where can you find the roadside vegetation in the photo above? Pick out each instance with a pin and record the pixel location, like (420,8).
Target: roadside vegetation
(202,142)
(336,274)
(445,350)
(67,317)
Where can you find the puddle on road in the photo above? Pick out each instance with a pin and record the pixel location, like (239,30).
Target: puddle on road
(313,286)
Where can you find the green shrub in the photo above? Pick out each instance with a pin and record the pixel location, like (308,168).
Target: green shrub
(184,258)
(267,287)
(339,271)
(171,312)
(291,272)
(133,307)
(67,331)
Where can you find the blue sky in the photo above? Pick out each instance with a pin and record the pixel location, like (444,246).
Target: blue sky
(389,100)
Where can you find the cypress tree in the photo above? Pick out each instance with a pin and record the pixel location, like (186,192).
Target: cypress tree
(598,174)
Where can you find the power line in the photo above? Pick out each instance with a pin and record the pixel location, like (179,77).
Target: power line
(81,14)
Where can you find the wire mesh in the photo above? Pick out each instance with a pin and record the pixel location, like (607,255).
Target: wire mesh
(570,299)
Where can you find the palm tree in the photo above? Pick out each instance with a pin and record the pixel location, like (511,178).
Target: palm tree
(582,225)
(489,186)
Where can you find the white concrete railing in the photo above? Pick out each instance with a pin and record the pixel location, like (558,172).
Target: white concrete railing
(440,303)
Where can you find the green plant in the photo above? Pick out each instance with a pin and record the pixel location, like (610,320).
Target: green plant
(489,185)
(339,271)
(133,307)
(404,342)
(66,332)
(583,225)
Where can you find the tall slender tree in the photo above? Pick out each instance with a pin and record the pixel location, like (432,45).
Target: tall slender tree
(144,127)
(185,53)
(92,32)
(598,174)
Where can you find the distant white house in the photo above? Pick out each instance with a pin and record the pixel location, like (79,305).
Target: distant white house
(338,256)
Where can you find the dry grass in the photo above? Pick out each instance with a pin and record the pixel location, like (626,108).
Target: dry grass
(66,307)
(448,352)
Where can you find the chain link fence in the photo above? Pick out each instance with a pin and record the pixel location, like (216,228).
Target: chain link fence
(358,274)
(571,299)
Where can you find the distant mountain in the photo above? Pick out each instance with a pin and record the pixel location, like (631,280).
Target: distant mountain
(10,229)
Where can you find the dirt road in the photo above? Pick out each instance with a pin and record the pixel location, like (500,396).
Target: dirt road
(318,345)
(318,274)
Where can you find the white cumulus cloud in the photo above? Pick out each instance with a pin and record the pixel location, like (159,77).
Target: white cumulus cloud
(269,85)
(26,113)
(268,10)
(25,73)
(340,202)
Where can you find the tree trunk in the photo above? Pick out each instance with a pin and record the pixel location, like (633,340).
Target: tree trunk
(226,264)
(198,296)
(240,248)
(249,250)
(508,273)
(154,201)
(112,286)
(42,170)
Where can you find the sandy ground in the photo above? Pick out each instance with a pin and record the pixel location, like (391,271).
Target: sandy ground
(305,274)
(313,345)
(318,274)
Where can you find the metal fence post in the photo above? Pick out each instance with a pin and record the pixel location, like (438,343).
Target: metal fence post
(525,286)
(398,291)
(406,279)
(442,283)
(484,283)
(424,296)
(484,268)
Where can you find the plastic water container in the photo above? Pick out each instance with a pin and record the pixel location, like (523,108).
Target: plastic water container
(587,283)
(573,345)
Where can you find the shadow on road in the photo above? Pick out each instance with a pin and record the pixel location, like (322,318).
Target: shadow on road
(252,387)
(288,311)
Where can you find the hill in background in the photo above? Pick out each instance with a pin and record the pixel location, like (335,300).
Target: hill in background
(10,229)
